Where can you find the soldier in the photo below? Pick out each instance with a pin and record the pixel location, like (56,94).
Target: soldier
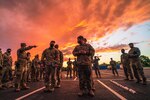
(36,64)
(51,58)
(114,67)
(126,65)
(134,57)
(7,68)
(1,67)
(69,68)
(58,70)
(83,52)
(21,71)
(75,68)
(29,64)
(92,81)
(96,66)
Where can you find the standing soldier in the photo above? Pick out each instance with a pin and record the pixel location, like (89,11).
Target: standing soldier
(1,67)
(36,64)
(84,53)
(29,64)
(96,66)
(134,54)
(114,67)
(75,68)
(21,71)
(7,68)
(69,68)
(51,58)
(126,65)
(58,70)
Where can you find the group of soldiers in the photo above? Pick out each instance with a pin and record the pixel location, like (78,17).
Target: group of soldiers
(72,66)
(51,62)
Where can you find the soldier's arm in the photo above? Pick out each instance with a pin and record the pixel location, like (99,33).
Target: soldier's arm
(43,56)
(61,57)
(121,58)
(28,48)
(75,52)
(92,51)
(138,52)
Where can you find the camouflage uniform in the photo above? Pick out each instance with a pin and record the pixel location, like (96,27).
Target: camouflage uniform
(51,58)
(29,65)
(96,67)
(114,67)
(75,69)
(126,65)
(1,66)
(58,70)
(69,69)
(36,64)
(7,68)
(135,62)
(21,71)
(84,62)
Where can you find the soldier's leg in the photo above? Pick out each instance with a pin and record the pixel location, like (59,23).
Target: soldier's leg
(116,71)
(140,70)
(81,83)
(52,73)
(19,73)
(70,73)
(24,78)
(67,72)
(4,76)
(46,80)
(58,75)
(0,77)
(125,72)
(113,71)
(129,71)
(136,74)
(99,73)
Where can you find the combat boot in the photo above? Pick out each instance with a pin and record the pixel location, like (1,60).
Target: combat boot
(81,93)
(138,81)
(91,93)
(144,81)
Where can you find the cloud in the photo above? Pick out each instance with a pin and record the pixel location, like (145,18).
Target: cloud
(40,21)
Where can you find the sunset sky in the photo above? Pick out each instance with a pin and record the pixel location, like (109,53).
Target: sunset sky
(108,25)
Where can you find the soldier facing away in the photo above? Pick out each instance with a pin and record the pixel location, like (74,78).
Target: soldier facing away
(83,52)
(69,68)
(134,57)
(58,70)
(21,71)
(114,67)
(126,65)
(96,66)
(51,58)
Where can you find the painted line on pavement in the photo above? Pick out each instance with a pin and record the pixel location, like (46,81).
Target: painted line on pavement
(112,74)
(124,87)
(75,78)
(111,90)
(22,97)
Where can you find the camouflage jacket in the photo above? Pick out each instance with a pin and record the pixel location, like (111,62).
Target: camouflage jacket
(7,59)
(113,63)
(36,63)
(22,55)
(134,53)
(50,56)
(69,63)
(84,58)
(124,58)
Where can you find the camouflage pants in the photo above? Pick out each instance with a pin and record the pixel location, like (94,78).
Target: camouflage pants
(97,72)
(114,70)
(7,74)
(28,74)
(69,72)
(49,75)
(75,72)
(21,75)
(58,71)
(138,66)
(85,80)
(37,73)
(127,71)
(41,73)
